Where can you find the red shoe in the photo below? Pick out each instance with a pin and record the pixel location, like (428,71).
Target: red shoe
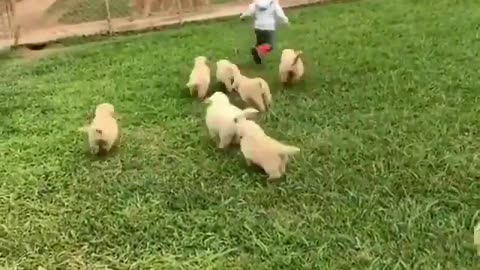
(263,50)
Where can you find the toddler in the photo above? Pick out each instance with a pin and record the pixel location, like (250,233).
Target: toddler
(266,13)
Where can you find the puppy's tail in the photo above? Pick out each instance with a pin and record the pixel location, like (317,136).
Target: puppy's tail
(249,113)
(289,150)
(295,60)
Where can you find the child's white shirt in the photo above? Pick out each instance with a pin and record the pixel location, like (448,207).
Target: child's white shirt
(265,13)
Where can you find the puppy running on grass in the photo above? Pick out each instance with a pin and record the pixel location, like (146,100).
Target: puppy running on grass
(224,73)
(220,118)
(252,90)
(103,131)
(291,67)
(260,149)
(199,77)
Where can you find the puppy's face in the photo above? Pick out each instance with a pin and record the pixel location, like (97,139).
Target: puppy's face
(287,51)
(105,109)
(217,98)
(200,60)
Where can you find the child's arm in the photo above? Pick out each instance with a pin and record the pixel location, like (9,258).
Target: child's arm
(249,12)
(279,12)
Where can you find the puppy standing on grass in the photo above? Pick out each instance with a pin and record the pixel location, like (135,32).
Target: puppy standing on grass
(252,90)
(224,73)
(220,118)
(199,77)
(103,131)
(262,150)
(291,67)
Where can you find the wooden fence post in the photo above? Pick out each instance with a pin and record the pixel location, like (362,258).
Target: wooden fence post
(16,35)
(109,17)
(180,11)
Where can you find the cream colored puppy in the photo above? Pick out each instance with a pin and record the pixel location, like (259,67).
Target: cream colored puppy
(252,90)
(224,73)
(199,77)
(262,150)
(476,238)
(291,67)
(103,131)
(220,118)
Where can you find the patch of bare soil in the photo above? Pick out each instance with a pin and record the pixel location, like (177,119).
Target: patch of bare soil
(33,54)
(31,14)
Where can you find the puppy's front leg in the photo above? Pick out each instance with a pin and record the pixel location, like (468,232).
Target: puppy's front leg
(225,139)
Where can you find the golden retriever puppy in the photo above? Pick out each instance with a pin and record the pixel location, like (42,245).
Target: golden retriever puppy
(224,73)
(103,131)
(199,77)
(291,67)
(220,118)
(252,90)
(260,149)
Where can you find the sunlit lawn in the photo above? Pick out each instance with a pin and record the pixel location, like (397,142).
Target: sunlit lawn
(388,120)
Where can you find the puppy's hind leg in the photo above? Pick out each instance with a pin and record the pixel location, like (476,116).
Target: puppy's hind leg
(274,174)
(274,168)
(257,100)
(107,146)
(94,148)
(283,164)
(284,77)
(202,91)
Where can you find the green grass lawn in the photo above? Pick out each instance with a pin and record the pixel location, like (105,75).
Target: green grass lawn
(388,120)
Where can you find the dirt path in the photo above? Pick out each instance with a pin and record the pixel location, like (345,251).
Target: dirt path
(58,32)
(30,14)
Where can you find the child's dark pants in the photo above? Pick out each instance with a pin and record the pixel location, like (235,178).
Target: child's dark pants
(264,44)
(264,37)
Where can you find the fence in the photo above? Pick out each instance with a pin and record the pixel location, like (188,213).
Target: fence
(42,21)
